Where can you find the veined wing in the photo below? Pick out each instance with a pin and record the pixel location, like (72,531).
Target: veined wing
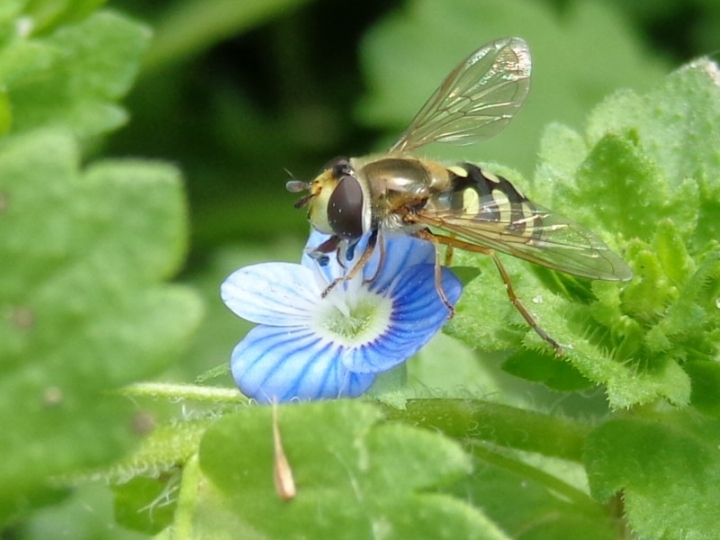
(533,233)
(477,99)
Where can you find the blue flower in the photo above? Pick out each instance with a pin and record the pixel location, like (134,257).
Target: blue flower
(307,346)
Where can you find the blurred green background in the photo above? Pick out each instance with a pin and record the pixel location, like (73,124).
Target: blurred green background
(243,95)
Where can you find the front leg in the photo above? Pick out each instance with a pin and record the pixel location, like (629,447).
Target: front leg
(320,253)
(362,261)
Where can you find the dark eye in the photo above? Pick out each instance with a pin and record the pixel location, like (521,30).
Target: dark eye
(345,208)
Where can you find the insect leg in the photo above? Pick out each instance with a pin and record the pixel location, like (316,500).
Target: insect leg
(436,241)
(438,283)
(455,243)
(448,254)
(362,261)
(521,307)
(381,259)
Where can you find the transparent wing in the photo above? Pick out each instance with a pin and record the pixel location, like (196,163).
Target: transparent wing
(533,233)
(476,100)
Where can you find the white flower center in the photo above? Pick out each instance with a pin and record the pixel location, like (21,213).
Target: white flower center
(352,315)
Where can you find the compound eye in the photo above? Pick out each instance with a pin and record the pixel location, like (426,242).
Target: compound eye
(345,208)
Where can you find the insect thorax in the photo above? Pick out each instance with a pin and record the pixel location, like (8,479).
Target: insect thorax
(397,186)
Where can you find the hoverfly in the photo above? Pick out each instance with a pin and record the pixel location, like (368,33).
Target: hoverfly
(461,205)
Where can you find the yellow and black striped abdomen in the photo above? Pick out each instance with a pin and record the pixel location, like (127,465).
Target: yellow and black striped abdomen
(488,211)
(482,197)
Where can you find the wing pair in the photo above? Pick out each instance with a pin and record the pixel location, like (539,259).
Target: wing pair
(475,102)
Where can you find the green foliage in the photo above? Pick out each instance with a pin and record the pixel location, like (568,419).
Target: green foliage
(363,480)
(84,251)
(653,194)
(666,463)
(647,171)
(70,78)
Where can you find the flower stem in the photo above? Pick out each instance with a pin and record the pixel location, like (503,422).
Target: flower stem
(187,392)
(498,424)
(187,500)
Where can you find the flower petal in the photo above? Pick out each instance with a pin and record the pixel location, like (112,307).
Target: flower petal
(277,294)
(402,251)
(281,364)
(418,313)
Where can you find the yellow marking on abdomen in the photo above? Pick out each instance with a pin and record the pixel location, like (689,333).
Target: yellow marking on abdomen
(457,170)
(471,202)
(502,203)
(490,176)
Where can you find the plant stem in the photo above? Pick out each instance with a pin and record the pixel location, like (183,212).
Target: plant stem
(187,501)
(499,424)
(187,392)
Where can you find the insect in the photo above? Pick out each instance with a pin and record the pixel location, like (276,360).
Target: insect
(461,205)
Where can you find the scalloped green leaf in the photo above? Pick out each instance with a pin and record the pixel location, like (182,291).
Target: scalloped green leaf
(677,131)
(72,77)
(82,307)
(647,173)
(621,179)
(361,477)
(666,467)
(675,121)
(595,334)
(546,368)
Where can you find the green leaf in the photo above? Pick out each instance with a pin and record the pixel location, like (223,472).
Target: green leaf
(82,310)
(202,507)
(531,504)
(705,377)
(632,338)
(465,273)
(547,369)
(672,253)
(679,139)
(484,317)
(72,77)
(445,367)
(671,130)
(361,477)
(145,504)
(49,14)
(644,173)
(86,513)
(647,297)
(666,465)
(5,114)
(617,175)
